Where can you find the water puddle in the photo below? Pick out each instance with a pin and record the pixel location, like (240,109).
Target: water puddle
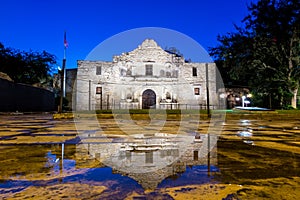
(252,159)
(25,166)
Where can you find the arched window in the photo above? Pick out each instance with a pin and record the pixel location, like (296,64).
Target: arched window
(168,95)
(128,73)
(168,74)
(128,68)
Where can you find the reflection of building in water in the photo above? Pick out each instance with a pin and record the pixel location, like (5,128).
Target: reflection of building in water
(147,77)
(151,159)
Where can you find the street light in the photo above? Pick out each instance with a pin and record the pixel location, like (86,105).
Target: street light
(247,102)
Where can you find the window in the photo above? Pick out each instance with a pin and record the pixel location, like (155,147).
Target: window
(175,73)
(149,70)
(168,74)
(194,71)
(98,90)
(98,70)
(128,72)
(197,91)
(196,155)
(123,72)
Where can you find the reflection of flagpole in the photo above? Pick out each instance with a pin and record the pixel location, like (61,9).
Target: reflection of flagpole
(62,155)
(61,163)
(207,91)
(208,154)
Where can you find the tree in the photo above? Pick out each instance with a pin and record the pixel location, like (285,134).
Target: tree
(27,67)
(264,53)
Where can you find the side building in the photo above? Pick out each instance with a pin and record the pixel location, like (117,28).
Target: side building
(147,77)
(69,88)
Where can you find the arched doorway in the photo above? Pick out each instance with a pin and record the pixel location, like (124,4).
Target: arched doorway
(148,99)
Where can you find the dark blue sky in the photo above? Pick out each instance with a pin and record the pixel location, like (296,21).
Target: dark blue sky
(40,25)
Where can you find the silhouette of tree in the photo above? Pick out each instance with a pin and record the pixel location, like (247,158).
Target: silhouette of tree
(264,52)
(27,67)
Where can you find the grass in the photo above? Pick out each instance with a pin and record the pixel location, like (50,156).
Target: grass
(178,113)
(295,111)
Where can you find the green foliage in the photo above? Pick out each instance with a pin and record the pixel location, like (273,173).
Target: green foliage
(264,53)
(26,67)
(288,107)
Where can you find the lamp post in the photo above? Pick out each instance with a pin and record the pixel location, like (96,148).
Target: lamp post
(237,100)
(99,91)
(221,100)
(243,101)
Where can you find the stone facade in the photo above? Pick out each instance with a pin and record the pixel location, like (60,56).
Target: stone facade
(147,77)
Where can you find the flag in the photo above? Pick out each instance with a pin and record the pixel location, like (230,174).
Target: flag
(66,44)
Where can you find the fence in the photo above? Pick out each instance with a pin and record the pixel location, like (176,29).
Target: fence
(169,106)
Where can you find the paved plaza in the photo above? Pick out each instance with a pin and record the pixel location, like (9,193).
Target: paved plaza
(43,158)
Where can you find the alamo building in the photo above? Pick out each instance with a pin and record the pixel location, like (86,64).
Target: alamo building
(147,77)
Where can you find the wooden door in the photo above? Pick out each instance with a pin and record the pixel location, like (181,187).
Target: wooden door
(148,99)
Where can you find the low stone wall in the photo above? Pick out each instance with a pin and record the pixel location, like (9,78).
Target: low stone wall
(24,98)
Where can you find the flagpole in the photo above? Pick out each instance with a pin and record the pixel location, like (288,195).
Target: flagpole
(64,68)
(63,76)
(64,62)
(65,48)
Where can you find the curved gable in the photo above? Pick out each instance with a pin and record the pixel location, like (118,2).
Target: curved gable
(148,51)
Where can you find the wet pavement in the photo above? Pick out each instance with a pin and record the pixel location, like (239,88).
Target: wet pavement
(43,158)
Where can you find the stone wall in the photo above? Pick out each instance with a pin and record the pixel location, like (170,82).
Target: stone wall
(24,98)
